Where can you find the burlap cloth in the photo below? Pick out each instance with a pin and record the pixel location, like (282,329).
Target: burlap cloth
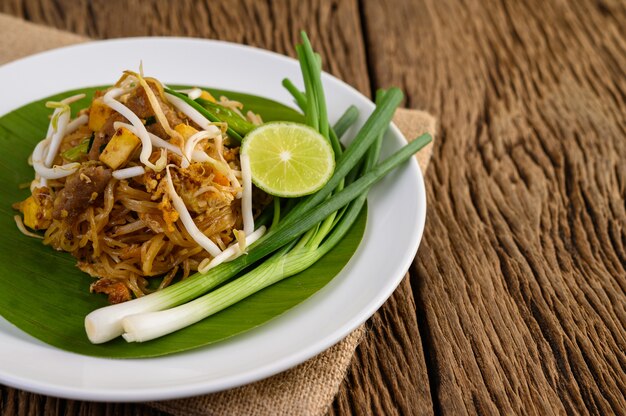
(307,389)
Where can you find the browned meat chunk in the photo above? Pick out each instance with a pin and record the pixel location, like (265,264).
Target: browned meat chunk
(82,188)
(139,103)
(116,290)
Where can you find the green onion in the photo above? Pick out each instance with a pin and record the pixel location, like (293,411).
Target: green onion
(311,112)
(234,120)
(76,152)
(315,71)
(348,118)
(206,113)
(144,327)
(296,93)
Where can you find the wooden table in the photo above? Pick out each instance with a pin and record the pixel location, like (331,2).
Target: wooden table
(516,302)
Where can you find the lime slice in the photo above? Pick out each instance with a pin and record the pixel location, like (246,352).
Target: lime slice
(288,159)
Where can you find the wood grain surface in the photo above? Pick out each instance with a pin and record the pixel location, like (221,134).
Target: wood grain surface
(520,281)
(521,277)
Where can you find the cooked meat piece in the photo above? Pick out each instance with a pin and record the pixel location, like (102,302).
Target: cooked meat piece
(117,291)
(103,136)
(139,103)
(82,188)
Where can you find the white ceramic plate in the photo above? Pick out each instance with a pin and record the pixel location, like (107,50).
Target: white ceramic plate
(394,228)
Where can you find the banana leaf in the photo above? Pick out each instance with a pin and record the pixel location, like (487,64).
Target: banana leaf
(44,294)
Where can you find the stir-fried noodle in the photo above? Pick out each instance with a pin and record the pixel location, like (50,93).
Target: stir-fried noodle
(134,188)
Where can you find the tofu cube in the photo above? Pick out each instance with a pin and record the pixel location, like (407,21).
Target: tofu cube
(120,148)
(35,215)
(98,114)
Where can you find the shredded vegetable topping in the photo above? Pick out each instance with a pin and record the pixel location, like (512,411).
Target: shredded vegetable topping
(56,172)
(128,172)
(246,201)
(22,228)
(189,111)
(233,251)
(185,216)
(138,184)
(146,143)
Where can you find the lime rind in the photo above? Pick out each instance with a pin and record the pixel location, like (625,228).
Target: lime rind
(288,159)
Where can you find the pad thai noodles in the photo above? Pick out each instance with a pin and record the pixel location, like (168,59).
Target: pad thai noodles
(138,186)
